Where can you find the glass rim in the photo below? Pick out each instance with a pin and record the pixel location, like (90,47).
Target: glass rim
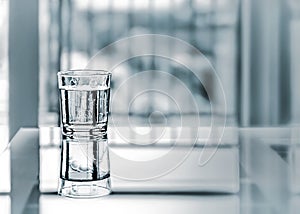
(83,72)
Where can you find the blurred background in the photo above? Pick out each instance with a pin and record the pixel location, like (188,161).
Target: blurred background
(252,45)
(72,32)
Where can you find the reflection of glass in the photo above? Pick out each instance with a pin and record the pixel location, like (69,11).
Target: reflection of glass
(84,167)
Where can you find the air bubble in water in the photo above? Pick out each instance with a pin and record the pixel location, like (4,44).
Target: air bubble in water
(93,83)
(84,168)
(74,165)
(101,116)
(74,82)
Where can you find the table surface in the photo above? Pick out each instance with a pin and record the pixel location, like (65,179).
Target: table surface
(269,180)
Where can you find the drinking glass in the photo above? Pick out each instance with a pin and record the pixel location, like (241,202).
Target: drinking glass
(84,108)
(84,101)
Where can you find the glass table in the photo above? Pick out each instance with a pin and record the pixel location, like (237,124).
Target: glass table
(252,170)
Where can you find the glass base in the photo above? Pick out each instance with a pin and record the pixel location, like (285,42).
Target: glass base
(84,189)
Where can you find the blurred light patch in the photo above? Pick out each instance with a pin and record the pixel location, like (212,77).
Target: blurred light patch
(49,136)
(49,169)
(50,141)
(3,74)
(5,204)
(5,172)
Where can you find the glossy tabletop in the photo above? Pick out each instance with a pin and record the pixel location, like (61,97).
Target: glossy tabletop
(267,179)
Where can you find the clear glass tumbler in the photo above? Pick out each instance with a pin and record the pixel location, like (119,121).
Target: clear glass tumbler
(84,104)
(84,101)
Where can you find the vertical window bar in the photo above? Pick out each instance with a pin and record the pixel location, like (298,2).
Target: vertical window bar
(59,36)
(69,33)
(131,62)
(192,38)
(172,33)
(90,23)
(111,21)
(152,25)
(212,28)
